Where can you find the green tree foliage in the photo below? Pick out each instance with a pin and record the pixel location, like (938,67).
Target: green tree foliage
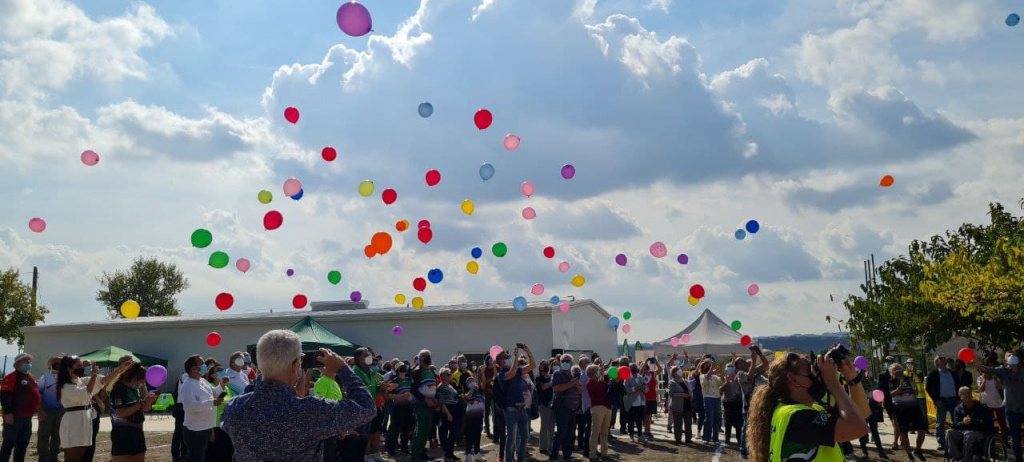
(154,285)
(16,307)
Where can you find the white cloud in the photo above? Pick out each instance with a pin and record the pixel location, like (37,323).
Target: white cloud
(641,51)
(662,5)
(477,10)
(857,58)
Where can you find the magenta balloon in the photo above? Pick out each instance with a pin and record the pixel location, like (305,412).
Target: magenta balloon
(685,338)
(878,395)
(675,342)
(753,289)
(568,171)
(620,259)
(529,213)
(156,376)
(564,307)
(354,19)
(397,331)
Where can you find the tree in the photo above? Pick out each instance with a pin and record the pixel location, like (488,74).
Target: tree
(16,307)
(154,285)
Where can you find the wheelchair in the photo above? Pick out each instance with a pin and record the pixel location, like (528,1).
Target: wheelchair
(991,449)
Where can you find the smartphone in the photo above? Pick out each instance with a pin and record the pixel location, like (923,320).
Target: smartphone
(312,359)
(222,395)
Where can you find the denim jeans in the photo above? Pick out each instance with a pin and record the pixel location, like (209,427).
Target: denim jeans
(517,424)
(197,442)
(948,404)
(565,423)
(16,437)
(583,429)
(1015,420)
(712,419)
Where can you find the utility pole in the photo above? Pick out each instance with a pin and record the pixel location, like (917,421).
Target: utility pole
(35,285)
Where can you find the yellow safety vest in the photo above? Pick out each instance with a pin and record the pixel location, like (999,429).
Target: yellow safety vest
(780,422)
(919,384)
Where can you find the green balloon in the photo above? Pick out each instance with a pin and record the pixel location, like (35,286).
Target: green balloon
(736,325)
(219,259)
(627,315)
(201,238)
(265,197)
(499,249)
(334,277)
(613,373)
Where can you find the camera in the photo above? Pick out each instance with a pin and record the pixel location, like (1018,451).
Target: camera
(312,359)
(838,353)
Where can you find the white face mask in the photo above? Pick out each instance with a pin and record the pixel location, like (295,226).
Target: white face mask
(1013,360)
(679,374)
(368,360)
(239,362)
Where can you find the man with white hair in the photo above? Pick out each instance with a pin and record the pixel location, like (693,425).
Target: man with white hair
(274,423)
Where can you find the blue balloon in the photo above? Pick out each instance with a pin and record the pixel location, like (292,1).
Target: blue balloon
(555,300)
(1012,19)
(740,234)
(613,322)
(519,303)
(753,226)
(298,195)
(435,275)
(486,172)
(426,109)
(476,252)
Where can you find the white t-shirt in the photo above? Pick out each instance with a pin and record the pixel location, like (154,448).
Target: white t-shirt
(710,385)
(238,381)
(196,397)
(990,397)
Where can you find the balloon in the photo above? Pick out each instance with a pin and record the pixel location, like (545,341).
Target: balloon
(90,158)
(519,303)
(419,284)
(537,289)
(886,181)
(753,289)
(627,315)
(555,300)
(219,259)
(381,242)
(483,119)
(563,267)
(130,309)
(426,109)
(433,177)
(476,252)
(401,226)
(264,197)
(354,19)
(624,372)
(693,301)
(435,276)
(564,307)
(224,301)
(697,291)
(242,264)
(201,238)
(272,220)
(620,259)
(397,331)
(292,187)
(369,251)
(861,363)
(290,272)
(613,322)
(473,267)
(878,396)
(37,225)
(527,188)
(298,196)
(578,280)
(494,352)
(674,342)
(389,196)
(334,277)
(529,213)
(683,259)
(400,299)
(745,340)
(1013,19)
(423,224)
(568,171)
(685,338)
(549,252)
(613,373)
(213,339)
(292,115)
(753,226)
(486,172)
(156,375)
(658,249)
(499,249)
(468,207)
(355,296)
(329,154)
(299,301)
(425,235)
(736,325)
(365,188)
(626,328)
(966,355)
(417,303)
(511,142)
(740,234)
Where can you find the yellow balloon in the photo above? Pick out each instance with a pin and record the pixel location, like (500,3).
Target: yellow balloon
(417,303)
(468,207)
(693,301)
(366,188)
(578,280)
(778,354)
(130,309)
(473,267)
(400,299)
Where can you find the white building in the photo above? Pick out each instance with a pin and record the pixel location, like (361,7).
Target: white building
(445,330)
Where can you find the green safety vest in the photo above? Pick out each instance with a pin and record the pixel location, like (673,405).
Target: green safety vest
(780,422)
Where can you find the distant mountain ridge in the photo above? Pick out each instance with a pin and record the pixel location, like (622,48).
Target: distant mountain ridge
(803,342)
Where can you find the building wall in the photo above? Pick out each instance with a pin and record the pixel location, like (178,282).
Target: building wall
(583,328)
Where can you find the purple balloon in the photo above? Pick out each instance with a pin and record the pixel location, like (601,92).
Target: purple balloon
(568,171)
(861,363)
(397,331)
(620,259)
(356,296)
(354,19)
(156,376)
(683,259)
(290,272)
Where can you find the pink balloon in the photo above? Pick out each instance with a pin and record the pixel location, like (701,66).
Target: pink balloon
(292,187)
(658,249)
(242,264)
(37,225)
(511,142)
(563,267)
(685,338)
(625,328)
(529,213)
(753,289)
(495,350)
(527,188)
(90,158)
(564,306)
(878,396)
(537,289)
(675,342)
(354,19)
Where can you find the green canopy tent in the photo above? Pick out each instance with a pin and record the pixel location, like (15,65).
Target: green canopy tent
(108,357)
(315,336)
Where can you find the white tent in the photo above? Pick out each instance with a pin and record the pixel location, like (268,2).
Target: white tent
(708,335)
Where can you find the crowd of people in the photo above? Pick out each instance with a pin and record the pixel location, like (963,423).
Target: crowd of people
(287,404)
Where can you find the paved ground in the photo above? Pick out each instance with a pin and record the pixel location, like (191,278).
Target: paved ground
(159,429)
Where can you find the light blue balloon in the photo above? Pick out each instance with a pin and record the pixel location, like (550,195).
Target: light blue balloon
(1013,19)
(486,172)
(555,300)
(426,109)
(740,234)
(519,303)
(613,322)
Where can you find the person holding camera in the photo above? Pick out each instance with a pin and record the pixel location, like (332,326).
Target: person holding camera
(567,399)
(786,420)
(711,386)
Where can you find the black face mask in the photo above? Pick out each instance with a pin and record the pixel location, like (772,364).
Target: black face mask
(80,372)
(818,388)
(425,361)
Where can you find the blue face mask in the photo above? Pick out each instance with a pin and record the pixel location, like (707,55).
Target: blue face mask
(556,368)
(26,367)
(202,369)
(221,375)
(566,366)
(463,365)
(471,385)
(730,370)
(248,360)
(88,370)
(374,368)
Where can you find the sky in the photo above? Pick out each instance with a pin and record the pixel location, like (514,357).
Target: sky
(683,119)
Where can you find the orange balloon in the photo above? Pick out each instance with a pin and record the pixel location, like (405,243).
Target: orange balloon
(369,251)
(401,226)
(886,181)
(381,242)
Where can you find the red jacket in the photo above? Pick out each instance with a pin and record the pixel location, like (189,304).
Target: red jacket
(19,394)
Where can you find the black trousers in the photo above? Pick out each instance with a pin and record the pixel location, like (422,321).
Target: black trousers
(91,452)
(473,426)
(499,430)
(583,428)
(682,421)
(451,431)
(353,448)
(330,449)
(220,448)
(402,421)
(623,416)
(733,419)
(636,420)
(179,451)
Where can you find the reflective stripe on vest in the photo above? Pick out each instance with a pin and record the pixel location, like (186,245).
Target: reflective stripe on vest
(780,422)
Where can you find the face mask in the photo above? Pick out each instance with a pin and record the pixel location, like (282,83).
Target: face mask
(426,361)
(463,365)
(471,385)
(203,370)
(221,375)
(368,360)
(556,368)
(1013,361)
(88,370)
(566,365)
(730,370)
(79,372)
(374,368)
(679,374)
(239,362)
(26,367)
(248,360)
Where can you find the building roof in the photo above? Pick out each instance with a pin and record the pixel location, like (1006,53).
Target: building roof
(396,312)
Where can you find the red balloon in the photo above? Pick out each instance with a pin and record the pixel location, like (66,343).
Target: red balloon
(697,291)
(483,119)
(213,339)
(329,154)
(624,372)
(424,224)
(272,220)
(433,177)
(369,251)
(299,301)
(291,114)
(549,252)
(425,235)
(381,242)
(745,340)
(419,284)
(389,196)
(966,355)
(224,301)
(401,226)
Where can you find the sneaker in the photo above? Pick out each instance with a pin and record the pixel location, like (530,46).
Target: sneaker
(919,455)
(378,457)
(480,458)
